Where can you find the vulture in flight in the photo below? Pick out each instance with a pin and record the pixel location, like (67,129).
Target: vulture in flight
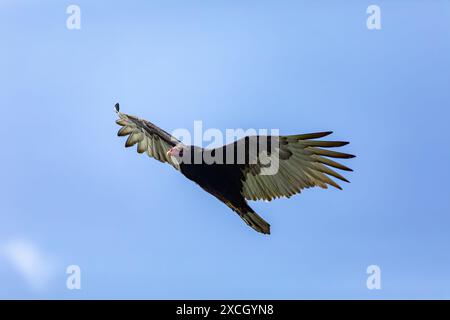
(252,168)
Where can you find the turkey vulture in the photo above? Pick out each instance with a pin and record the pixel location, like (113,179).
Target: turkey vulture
(301,162)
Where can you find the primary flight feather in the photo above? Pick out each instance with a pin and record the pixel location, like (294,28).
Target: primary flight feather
(243,170)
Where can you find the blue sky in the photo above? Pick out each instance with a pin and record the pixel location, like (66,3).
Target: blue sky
(72,194)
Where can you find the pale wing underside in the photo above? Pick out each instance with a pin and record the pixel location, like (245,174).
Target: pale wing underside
(149,138)
(303,164)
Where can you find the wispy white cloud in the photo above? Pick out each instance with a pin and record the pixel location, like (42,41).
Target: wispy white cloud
(31,262)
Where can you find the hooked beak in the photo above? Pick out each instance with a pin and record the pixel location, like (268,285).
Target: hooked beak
(174,152)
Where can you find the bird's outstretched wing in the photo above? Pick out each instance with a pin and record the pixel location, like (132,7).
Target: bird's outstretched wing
(302,163)
(148,137)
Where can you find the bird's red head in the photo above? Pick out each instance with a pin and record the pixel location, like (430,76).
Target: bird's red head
(176,152)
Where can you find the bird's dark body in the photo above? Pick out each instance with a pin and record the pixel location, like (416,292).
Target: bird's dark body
(223,181)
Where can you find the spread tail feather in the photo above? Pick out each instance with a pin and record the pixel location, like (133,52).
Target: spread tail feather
(255,221)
